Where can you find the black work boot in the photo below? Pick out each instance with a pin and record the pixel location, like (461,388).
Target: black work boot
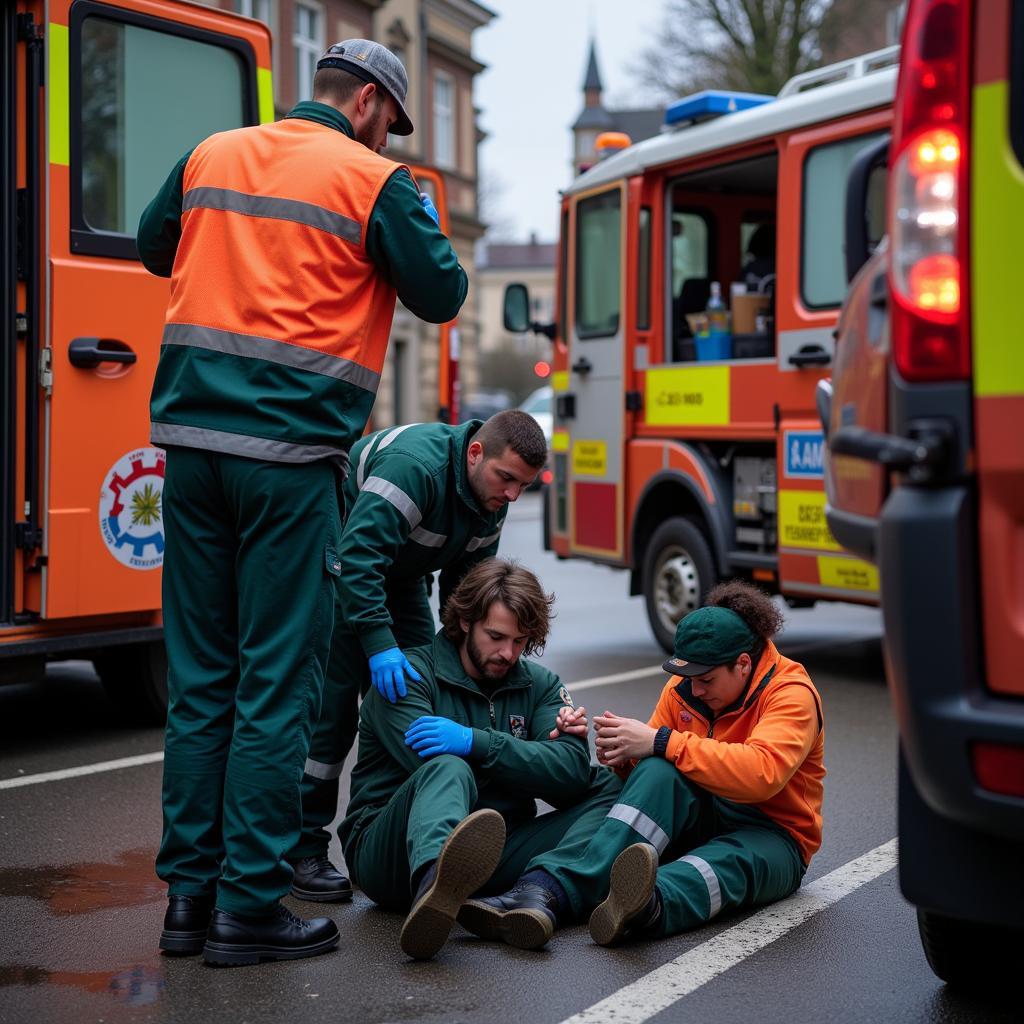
(233,940)
(466,861)
(185,924)
(525,917)
(633,906)
(316,879)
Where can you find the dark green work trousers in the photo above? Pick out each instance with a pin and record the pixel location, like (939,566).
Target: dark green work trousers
(248,599)
(714,854)
(409,831)
(348,679)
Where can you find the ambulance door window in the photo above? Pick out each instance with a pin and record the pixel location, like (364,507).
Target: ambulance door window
(822,259)
(598,263)
(143,93)
(689,244)
(643,271)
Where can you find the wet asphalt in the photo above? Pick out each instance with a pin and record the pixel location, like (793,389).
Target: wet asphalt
(80,907)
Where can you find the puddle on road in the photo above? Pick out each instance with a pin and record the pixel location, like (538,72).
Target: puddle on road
(135,985)
(88,887)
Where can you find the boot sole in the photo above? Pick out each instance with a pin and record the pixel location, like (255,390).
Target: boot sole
(228,954)
(466,862)
(182,943)
(311,896)
(524,929)
(632,881)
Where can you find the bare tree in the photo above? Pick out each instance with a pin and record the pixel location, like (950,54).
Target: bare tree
(490,192)
(751,45)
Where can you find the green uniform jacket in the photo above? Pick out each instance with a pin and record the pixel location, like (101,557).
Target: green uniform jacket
(225,392)
(411,512)
(513,761)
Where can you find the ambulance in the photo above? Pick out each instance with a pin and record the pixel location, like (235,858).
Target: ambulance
(680,454)
(925,469)
(98,101)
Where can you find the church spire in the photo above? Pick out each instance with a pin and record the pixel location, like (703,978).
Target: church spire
(592,81)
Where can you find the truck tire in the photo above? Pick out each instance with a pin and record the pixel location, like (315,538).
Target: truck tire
(135,678)
(969,955)
(678,571)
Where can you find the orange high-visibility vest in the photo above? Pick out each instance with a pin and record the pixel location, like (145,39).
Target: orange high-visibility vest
(272,267)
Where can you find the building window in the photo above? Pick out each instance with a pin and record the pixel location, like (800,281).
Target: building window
(444,119)
(261,10)
(308,41)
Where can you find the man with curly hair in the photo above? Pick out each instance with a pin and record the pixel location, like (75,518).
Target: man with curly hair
(721,808)
(443,801)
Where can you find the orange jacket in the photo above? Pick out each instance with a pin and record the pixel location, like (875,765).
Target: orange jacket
(766,750)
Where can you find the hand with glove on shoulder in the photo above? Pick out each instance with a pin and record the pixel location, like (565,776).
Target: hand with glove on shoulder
(431,735)
(388,670)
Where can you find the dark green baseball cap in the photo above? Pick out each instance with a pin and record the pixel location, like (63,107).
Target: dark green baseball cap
(707,638)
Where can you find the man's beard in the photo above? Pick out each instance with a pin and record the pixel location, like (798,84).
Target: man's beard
(369,131)
(488,671)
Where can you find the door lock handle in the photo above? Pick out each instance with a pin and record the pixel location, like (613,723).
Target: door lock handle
(810,355)
(582,366)
(88,353)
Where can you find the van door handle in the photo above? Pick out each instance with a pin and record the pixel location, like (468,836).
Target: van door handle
(582,366)
(810,355)
(88,353)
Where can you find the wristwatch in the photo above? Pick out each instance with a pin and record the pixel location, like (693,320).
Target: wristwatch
(661,741)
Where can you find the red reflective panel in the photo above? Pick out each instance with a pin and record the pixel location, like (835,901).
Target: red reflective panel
(999,768)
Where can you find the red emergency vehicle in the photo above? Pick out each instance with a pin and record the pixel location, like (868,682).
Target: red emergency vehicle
(686,458)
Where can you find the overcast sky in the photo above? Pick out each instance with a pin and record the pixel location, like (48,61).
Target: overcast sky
(531,92)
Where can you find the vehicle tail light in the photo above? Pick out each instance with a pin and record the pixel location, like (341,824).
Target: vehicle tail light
(999,768)
(547,476)
(929,194)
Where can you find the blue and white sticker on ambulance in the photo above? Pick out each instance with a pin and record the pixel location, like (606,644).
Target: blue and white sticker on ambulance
(804,452)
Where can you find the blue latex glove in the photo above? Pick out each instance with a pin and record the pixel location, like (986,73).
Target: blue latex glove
(430,735)
(388,670)
(429,206)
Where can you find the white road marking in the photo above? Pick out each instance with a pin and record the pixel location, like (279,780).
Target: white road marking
(661,988)
(619,677)
(85,769)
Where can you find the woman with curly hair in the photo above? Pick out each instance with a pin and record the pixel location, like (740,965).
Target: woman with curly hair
(721,808)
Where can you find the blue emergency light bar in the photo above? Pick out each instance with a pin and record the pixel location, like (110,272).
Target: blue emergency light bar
(703,106)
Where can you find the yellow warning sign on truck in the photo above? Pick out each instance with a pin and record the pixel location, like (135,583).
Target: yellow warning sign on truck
(590,458)
(802,521)
(847,574)
(688,396)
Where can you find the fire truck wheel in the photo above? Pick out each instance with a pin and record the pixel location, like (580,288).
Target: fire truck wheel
(678,571)
(970,955)
(135,678)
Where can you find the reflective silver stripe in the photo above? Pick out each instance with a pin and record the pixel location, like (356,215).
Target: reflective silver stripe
(390,492)
(640,823)
(482,542)
(242,444)
(310,214)
(361,470)
(319,770)
(428,539)
(392,434)
(252,346)
(710,880)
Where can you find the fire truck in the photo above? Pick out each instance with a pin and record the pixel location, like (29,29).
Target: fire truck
(98,101)
(679,456)
(925,468)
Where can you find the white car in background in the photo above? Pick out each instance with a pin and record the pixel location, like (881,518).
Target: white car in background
(539,405)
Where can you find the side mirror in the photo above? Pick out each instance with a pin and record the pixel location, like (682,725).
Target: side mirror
(516,312)
(865,189)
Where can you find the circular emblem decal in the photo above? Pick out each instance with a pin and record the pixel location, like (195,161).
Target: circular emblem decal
(132,509)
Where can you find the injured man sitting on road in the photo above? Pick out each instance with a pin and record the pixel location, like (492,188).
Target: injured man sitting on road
(721,808)
(443,795)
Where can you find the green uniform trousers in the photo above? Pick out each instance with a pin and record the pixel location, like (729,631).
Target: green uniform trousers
(409,831)
(248,599)
(348,679)
(714,854)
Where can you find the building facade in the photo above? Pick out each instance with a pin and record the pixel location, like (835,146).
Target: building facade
(434,39)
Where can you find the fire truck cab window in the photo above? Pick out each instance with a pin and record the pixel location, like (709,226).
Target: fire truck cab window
(721,227)
(822,258)
(598,261)
(144,98)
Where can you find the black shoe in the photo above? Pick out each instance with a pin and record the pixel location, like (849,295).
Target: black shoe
(185,924)
(525,917)
(233,940)
(316,879)
(633,905)
(467,860)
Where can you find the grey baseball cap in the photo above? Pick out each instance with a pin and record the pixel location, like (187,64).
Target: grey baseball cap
(373,63)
